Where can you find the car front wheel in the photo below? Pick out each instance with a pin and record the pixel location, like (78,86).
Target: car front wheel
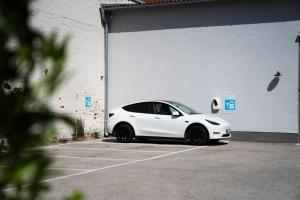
(197,135)
(124,133)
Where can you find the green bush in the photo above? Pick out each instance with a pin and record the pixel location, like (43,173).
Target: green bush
(78,130)
(25,119)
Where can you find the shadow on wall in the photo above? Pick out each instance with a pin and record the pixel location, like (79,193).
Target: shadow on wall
(273,84)
(204,15)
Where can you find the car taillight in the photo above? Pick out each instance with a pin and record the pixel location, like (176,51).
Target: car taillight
(110,114)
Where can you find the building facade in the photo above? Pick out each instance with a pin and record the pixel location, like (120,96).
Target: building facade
(84,84)
(240,53)
(190,51)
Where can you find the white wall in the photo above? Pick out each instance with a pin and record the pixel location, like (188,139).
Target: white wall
(195,53)
(80,19)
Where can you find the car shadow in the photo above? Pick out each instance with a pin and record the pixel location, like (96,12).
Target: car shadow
(164,141)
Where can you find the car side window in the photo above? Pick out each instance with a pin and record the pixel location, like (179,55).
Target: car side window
(173,109)
(145,107)
(162,109)
(129,108)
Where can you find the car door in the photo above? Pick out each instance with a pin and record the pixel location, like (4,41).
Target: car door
(142,116)
(166,125)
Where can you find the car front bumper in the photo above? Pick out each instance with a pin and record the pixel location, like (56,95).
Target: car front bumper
(221,133)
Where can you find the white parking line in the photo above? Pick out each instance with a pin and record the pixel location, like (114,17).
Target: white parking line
(91,158)
(60,168)
(102,149)
(122,164)
(68,143)
(119,144)
(71,169)
(116,165)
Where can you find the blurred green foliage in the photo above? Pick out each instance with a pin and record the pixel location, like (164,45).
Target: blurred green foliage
(78,129)
(25,119)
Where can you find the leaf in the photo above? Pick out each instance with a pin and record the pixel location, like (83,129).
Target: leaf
(6,86)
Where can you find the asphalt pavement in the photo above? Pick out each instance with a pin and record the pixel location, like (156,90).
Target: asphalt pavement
(105,169)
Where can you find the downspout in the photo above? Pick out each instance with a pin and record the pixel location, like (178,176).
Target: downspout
(298,41)
(104,22)
(138,1)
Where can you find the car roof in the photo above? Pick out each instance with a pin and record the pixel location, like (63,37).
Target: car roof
(160,101)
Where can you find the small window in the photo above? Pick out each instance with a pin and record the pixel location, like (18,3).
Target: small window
(145,107)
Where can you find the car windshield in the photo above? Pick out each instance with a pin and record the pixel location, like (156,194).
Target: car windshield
(184,108)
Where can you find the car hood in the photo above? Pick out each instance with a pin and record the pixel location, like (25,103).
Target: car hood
(209,117)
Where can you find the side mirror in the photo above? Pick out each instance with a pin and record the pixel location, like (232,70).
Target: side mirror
(175,114)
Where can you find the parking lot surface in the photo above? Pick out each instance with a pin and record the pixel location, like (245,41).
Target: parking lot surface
(171,170)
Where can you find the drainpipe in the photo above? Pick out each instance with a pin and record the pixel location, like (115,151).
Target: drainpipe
(138,1)
(104,22)
(298,41)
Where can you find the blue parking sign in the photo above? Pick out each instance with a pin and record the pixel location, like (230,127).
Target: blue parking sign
(230,104)
(88,102)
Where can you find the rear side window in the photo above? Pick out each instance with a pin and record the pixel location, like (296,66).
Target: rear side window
(145,107)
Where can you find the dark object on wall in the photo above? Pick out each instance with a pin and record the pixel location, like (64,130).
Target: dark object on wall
(213,104)
(278,74)
(273,84)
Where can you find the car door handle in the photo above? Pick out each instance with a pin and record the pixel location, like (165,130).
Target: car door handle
(157,117)
(132,116)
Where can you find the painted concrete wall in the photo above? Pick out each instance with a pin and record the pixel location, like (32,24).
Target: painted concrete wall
(195,53)
(80,19)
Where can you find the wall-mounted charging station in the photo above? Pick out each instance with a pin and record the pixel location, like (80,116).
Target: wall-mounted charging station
(216,104)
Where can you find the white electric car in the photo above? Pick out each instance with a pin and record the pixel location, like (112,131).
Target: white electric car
(166,119)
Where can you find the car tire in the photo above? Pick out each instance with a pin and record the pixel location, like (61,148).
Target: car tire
(124,133)
(197,135)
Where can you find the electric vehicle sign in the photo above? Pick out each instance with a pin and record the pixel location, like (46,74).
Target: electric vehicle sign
(230,104)
(88,102)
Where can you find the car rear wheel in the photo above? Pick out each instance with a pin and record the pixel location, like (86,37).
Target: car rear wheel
(197,135)
(124,133)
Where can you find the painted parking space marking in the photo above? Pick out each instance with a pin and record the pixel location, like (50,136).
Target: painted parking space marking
(102,149)
(87,171)
(82,171)
(60,168)
(71,169)
(70,143)
(91,158)
(100,142)
(123,164)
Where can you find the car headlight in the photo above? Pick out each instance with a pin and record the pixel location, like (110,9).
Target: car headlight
(212,122)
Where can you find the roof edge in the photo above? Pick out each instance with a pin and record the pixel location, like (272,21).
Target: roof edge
(110,7)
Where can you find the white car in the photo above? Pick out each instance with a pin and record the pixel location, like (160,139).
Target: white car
(166,119)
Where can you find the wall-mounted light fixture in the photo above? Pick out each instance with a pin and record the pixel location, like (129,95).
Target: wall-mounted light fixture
(278,74)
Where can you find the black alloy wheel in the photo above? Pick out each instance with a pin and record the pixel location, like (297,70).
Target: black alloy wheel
(124,133)
(197,135)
